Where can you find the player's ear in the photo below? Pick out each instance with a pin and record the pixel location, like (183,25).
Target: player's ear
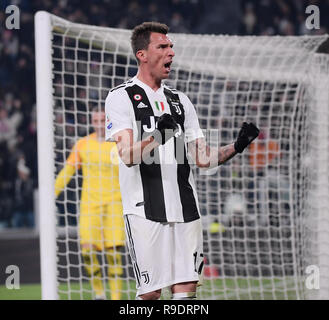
(141,55)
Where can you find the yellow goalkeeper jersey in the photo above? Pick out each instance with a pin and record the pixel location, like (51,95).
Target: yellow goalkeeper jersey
(99,163)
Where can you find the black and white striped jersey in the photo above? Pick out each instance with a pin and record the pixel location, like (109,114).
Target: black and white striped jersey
(161,188)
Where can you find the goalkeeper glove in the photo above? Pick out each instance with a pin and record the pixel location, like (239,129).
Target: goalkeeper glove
(166,128)
(247,134)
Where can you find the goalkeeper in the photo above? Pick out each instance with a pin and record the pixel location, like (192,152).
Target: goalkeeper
(100,222)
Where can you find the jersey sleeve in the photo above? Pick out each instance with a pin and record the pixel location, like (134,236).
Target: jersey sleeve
(72,163)
(117,110)
(63,178)
(191,124)
(74,158)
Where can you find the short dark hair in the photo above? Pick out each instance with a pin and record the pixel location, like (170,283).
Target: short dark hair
(96,108)
(140,37)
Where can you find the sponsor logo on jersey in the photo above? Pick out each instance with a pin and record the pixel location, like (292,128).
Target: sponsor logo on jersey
(159,105)
(137,97)
(142,105)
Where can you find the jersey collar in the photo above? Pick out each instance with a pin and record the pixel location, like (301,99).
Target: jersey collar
(146,87)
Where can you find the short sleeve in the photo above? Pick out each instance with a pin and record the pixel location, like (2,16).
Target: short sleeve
(191,124)
(117,110)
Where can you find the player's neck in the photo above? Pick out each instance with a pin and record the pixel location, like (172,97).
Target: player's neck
(99,136)
(149,80)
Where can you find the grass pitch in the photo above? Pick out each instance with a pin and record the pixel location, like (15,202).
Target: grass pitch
(218,289)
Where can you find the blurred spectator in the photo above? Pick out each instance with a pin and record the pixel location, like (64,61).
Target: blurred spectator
(249,19)
(9,123)
(23,206)
(10,44)
(177,23)
(263,152)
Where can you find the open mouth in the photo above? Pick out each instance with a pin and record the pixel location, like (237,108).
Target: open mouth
(167,66)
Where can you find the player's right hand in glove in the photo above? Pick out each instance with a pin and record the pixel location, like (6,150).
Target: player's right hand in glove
(167,127)
(247,134)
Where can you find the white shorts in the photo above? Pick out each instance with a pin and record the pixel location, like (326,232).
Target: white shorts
(164,254)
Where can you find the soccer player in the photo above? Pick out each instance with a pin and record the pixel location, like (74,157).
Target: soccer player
(101,223)
(156,129)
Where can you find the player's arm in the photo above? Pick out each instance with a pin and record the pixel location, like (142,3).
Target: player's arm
(205,156)
(209,157)
(133,153)
(72,163)
(63,178)
(118,128)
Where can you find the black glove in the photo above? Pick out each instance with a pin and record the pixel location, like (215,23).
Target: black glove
(166,128)
(247,134)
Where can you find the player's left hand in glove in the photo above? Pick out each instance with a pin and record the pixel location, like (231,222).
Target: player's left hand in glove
(166,128)
(247,134)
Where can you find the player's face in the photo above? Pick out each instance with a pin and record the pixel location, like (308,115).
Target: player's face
(159,55)
(98,122)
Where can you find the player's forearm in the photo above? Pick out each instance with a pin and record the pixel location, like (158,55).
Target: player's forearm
(226,153)
(63,178)
(215,157)
(210,157)
(138,152)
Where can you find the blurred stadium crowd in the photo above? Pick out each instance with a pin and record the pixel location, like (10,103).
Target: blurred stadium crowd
(18,143)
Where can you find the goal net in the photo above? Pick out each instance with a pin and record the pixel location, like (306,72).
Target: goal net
(265,213)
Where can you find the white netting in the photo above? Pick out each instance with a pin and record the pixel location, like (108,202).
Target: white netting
(265,213)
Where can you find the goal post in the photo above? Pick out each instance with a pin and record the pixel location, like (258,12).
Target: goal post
(265,213)
(46,162)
